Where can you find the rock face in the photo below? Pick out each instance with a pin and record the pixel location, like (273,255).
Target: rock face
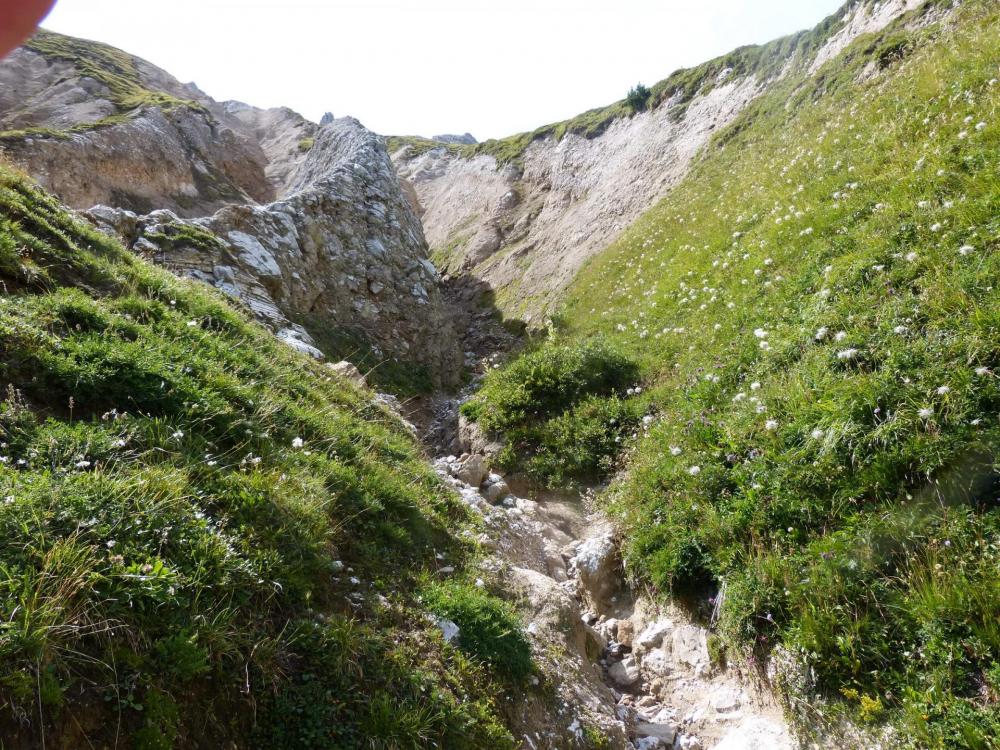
(96,125)
(306,224)
(343,248)
(527,227)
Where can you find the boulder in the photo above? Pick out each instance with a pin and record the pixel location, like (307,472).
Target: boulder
(473,470)
(656,663)
(471,438)
(597,564)
(726,700)
(448,629)
(625,672)
(626,633)
(665,733)
(689,645)
(496,489)
(349,371)
(652,635)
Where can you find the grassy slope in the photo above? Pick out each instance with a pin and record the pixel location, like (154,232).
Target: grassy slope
(821,358)
(170,554)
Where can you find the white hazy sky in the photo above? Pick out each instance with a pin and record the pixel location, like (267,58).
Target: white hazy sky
(490,67)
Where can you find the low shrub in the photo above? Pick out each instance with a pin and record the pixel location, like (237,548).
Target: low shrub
(489,628)
(562,409)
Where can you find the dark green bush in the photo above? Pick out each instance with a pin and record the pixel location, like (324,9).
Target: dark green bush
(489,628)
(581,443)
(637,97)
(561,410)
(549,380)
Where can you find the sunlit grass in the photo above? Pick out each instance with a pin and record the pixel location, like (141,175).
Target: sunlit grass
(815,317)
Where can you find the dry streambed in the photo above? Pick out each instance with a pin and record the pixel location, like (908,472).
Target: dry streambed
(638,671)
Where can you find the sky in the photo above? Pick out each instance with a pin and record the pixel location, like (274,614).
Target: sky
(413,67)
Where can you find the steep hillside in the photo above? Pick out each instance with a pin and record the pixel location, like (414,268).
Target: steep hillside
(305,224)
(210,540)
(798,349)
(525,213)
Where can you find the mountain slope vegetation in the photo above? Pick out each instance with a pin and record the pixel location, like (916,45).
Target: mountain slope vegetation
(206,537)
(814,315)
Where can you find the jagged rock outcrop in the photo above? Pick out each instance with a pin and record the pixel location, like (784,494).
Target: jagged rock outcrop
(305,223)
(343,248)
(526,227)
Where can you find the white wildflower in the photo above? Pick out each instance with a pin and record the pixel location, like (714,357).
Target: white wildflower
(966,250)
(821,333)
(675,451)
(926,413)
(847,354)
(771,425)
(817,434)
(943,390)
(297,442)
(694,470)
